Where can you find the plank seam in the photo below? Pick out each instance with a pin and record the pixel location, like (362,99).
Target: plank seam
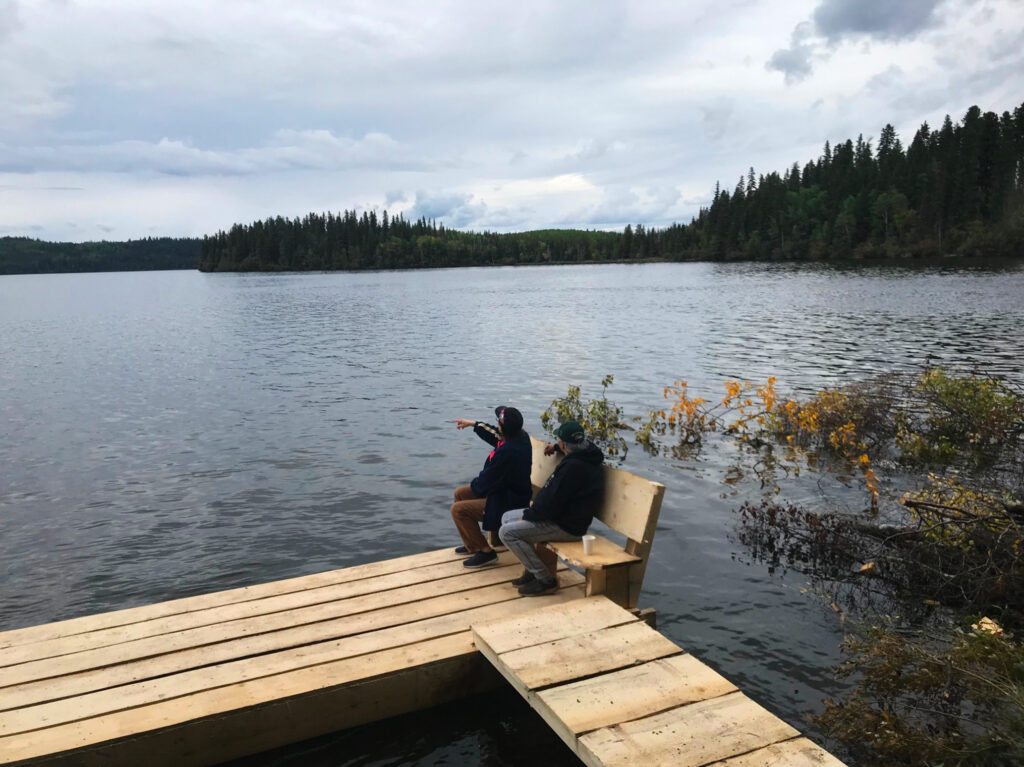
(311,605)
(455,631)
(585,677)
(11,668)
(581,733)
(180,609)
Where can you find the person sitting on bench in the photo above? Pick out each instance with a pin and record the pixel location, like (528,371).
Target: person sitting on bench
(562,510)
(502,484)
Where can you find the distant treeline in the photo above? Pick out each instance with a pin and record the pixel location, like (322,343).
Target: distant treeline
(956,190)
(369,241)
(21,255)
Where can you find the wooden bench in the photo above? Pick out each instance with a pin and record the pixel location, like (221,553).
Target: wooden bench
(630,506)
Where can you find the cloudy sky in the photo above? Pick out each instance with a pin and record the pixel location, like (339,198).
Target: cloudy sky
(123,119)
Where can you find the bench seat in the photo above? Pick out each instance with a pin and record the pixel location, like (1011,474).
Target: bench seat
(629,506)
(604,554)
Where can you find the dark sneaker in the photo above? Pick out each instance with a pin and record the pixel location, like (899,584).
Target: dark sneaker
(481,558)
(462,551)
(525,578)
(539,586)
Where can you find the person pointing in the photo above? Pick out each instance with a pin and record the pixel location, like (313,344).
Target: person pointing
(502,484)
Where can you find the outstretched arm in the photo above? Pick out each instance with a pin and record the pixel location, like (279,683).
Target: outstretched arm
(463,423)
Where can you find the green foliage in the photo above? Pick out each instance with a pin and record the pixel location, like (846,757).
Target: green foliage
(927,692)
(926,701)
(600,418)
(970,418)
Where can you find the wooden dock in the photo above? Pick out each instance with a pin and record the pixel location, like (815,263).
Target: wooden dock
(619,693)
(209,678)
(206,679)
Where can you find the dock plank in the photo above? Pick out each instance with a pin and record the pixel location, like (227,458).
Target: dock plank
(129,671)
(86,623)
(799,752)
(619,693)
(250,608)
(550,623)
(633,693)
(689,736)
(234,698)
(220,632)
(577,656)
(370,645)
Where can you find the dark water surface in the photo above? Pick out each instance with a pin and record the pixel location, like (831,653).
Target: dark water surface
(168,434)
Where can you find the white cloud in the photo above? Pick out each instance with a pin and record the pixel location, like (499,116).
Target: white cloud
(285,150)
(187,117)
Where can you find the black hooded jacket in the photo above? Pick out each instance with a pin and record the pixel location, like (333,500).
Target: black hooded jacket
(505,477)
(572,493)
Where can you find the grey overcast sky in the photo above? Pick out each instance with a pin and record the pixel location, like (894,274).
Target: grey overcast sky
(124,119)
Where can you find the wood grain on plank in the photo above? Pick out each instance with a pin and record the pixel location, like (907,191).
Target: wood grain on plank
(694,735)
(586,654)
(633,693)
(187,683)
(248,609)
(799,752)
(550,623)
(222,632)
(176,662)
(238,698)
(86,623)
(603,554)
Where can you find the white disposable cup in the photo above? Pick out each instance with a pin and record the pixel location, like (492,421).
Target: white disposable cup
(588,544)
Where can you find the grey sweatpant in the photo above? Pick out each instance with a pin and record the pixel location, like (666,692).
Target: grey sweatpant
(520,535)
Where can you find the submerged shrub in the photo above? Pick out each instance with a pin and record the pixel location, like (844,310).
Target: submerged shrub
(600,418)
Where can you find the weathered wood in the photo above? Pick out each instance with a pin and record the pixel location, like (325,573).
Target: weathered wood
(648,615)
(550,623)
(603,555)
(232,721)
(667,710)
(187,604)
(798,752)
(694,735)
(585,654)
(631,693)
(260,645)
(641,547)
(221,632)
(377,585)
(161,688)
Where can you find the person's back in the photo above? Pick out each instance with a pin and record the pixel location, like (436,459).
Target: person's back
(573,492)
(562,510)
(502,484)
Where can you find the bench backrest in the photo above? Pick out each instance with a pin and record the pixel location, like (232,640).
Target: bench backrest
(631,503)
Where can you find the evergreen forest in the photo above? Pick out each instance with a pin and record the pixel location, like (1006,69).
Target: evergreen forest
(22,255)
(955,190)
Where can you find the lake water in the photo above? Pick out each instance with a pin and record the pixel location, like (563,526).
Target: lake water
(172,433)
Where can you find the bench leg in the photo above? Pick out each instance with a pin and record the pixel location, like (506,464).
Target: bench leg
(547,556)
(613,583)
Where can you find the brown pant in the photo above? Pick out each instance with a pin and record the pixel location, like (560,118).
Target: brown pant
(468,513)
